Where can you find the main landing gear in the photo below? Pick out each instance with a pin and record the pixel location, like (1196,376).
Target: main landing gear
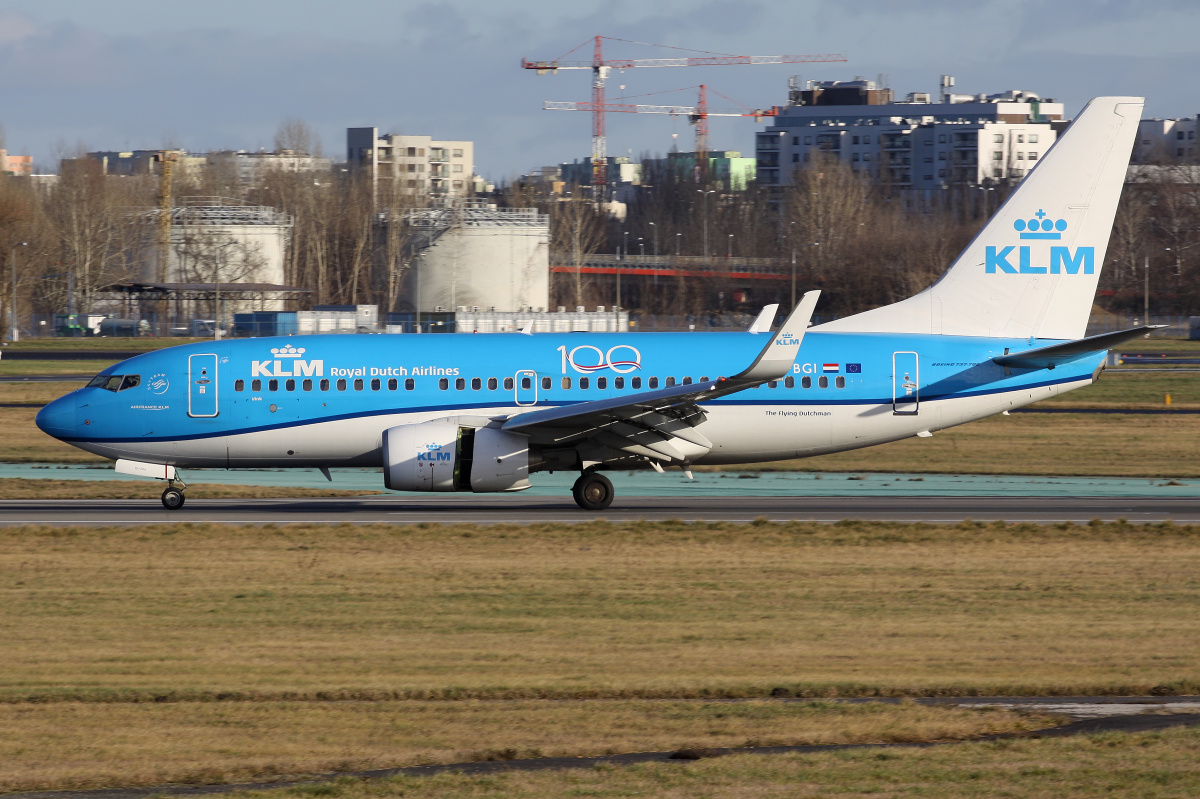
(593,491)
(172,497)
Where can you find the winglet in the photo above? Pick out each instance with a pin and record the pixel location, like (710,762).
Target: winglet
(777,357)
(527,330)
(765,317)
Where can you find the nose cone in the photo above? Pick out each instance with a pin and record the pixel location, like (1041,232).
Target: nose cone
(58,418)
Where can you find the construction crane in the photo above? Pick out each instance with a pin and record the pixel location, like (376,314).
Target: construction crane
(601,69)
(698,115)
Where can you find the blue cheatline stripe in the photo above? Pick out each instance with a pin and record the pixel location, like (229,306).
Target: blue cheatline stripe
(477,406)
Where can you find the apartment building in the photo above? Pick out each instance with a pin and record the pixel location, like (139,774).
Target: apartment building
(911,144)
(417,163)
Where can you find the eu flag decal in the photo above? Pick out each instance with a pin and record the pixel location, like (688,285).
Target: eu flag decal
(854,368)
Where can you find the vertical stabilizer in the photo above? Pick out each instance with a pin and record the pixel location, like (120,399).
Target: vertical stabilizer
(1032,271)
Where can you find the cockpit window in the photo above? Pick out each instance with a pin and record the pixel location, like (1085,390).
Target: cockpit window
(115,382)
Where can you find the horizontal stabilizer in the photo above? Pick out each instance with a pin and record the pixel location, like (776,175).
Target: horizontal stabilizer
(1049,357)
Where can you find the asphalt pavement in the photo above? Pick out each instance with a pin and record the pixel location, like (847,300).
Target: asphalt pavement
(518,509)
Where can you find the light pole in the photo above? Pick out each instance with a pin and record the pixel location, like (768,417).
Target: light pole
(12,312)
(678,238)
(1146,292)
(729,250)
(655,233)
(641,247)
(704,195)
(217,286)
(624,253)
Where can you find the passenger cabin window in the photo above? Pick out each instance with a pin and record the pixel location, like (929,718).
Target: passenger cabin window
(393,384)
(618,382)
(806,382)
(443,383)
(476,384)
(239,385)
(307,384)
(341,384)
(272,385)
(492,384)
(546,383)
(508,383)
(789,382)
(256,385)
(376,384)
(653,382)
(460,383)
(324,384)
(409,384)
(290,384)
(823,382)
(566,382)
(840,382)
(670,382)
(358,384)
(601,383)
(687,381)
(773,384)
(635,382)
(584,382)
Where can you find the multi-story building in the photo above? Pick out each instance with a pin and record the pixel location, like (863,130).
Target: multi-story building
(417,163)
(250,167)
(19,165)
(144,162)
(912,144)
(1166,140)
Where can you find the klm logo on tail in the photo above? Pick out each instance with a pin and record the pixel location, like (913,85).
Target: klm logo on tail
(1062,259)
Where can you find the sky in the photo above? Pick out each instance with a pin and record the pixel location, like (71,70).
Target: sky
(224,74)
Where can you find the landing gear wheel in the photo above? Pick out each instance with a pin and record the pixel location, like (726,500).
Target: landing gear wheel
(593,492)
(172,499)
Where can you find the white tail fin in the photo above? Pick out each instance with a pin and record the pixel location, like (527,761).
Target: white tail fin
(1032,271)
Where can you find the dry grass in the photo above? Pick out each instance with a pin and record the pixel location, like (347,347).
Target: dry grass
(32,367)
(596,610)
(1142,766)
(1115,445)
(73,745)
(21,488)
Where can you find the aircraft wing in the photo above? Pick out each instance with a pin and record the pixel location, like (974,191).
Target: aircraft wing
(1049,357)
(660,424)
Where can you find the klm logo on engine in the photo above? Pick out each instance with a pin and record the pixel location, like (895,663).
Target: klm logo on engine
(433,452)
(1063,260)
(288,362)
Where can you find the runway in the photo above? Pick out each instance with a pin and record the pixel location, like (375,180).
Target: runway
(518,509)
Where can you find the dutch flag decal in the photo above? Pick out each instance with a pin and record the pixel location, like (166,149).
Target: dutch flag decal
(829,367)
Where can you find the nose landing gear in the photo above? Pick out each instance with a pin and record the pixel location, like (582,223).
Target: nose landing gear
(593,491)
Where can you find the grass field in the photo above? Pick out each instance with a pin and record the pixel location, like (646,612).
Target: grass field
(1143,766)
(596,610)
(153,744)
(214,653)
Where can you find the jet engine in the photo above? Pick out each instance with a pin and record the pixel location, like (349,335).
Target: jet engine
(448,455)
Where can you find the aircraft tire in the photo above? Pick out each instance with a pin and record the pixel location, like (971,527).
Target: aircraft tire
(172,499)
(593,491)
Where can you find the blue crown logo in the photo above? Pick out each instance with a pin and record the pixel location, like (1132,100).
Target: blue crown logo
(1041,228)
(287,352)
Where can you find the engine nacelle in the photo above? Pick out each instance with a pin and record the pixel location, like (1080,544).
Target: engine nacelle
(444,455)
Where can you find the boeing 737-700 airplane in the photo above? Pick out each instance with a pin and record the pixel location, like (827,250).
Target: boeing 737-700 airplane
(1003,327)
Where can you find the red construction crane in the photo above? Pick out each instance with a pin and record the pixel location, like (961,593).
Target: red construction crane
(600,69)
(698,115)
